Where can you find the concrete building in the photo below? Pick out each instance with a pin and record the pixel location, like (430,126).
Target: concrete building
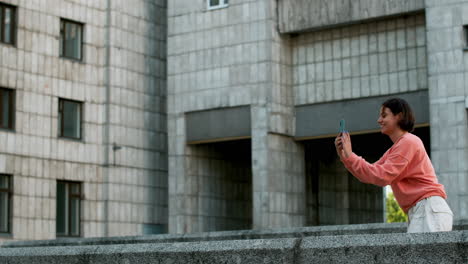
(86,152)
(96,143)
(256,90)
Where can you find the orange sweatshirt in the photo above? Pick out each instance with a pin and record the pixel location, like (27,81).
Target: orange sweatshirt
(405,166)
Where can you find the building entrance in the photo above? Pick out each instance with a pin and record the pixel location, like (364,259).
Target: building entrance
(223,174)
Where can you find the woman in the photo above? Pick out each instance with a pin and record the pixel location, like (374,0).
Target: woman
(406,167)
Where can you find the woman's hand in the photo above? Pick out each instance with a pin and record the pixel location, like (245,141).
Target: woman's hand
(343,145)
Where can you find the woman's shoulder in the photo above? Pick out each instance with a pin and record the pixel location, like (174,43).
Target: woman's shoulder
(410,140)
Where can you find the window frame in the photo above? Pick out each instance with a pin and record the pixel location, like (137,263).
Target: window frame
(70,200)
(11,109)
(9,190)
(14,27)
(222,4)
(61,119)
(62,33)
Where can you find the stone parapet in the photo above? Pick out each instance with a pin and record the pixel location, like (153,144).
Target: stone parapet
(447,247)
(283,233)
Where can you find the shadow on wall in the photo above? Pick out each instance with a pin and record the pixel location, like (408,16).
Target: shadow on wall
(223,174)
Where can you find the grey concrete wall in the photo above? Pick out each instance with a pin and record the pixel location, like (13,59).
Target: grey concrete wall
(136,181)
(448,247)
(137,176)
(447,70)
(226,58)
(305,15)
(216,58)
(369,59)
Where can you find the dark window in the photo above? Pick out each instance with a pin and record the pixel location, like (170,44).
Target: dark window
(7,24)
(5,203)
(68,208)
(69,123)
(465,35)
(7,109)
(71,39)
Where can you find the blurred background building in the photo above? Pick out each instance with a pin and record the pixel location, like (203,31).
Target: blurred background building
(181,116)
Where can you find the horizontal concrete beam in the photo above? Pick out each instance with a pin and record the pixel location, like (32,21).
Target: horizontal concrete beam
(218,125)
(306,15)
(322,120)
(447,247)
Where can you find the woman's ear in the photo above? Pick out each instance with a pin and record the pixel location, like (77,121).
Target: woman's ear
(399,116)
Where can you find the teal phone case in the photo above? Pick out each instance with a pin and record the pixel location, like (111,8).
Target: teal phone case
(342,126)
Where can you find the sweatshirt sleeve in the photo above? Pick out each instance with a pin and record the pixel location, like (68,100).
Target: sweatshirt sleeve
(381,173)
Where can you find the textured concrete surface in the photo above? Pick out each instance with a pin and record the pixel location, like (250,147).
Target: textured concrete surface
(448,247)
(301,15)
(447,75)
(299,232)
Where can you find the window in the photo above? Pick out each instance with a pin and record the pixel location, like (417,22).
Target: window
(71,39)
(69,123)
(465,35)
(7,24)
(214,4)
(7,110)
(5,203)
(68,208)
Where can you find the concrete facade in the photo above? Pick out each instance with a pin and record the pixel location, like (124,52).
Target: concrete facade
(122,85)
(447,75)
(275,57)
(156,70)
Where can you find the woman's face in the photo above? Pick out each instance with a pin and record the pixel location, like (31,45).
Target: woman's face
(388,121)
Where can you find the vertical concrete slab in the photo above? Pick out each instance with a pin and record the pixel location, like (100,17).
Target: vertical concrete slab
(447,72)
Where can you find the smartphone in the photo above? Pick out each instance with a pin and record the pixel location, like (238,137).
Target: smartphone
(342,126)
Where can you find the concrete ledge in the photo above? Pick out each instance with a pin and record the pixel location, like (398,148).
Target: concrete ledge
(298,232)
(446,247)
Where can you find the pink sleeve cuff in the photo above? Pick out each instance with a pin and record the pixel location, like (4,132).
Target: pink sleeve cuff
(349,159)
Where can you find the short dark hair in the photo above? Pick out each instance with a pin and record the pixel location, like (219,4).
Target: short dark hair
(398,105)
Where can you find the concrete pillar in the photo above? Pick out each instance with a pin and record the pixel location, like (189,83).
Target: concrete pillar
(278,182)
(447,72)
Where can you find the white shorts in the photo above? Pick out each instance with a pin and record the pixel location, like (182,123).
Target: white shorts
(430,215)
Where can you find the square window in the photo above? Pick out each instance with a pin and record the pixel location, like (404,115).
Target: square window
(215,4)
(7,24)
(71,39)
(69,123)
(5,203)
(7,109)
(68,208)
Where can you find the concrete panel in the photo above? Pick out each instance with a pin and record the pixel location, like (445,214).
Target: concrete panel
(218,125)
(322,120)
(305,15)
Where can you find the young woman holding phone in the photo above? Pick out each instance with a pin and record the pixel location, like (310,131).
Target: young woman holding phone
(406,167)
